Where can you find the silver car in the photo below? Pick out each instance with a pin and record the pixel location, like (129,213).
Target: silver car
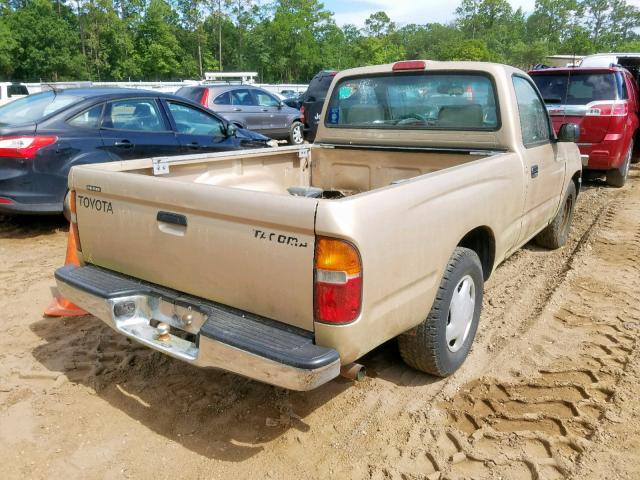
(250,107)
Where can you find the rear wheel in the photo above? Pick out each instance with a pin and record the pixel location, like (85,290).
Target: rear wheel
(441,343)
(557,232)
(296,134)
(618,176)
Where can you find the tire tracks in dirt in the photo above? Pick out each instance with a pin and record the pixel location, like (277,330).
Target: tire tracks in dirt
(539,424)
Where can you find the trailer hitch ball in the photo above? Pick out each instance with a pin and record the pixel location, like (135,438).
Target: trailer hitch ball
(163,331)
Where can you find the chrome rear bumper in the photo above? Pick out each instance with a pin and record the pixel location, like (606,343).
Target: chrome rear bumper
(201,333)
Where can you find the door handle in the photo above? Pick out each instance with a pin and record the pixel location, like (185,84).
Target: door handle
(534,171)
(172,223)
(123,144)
(237,109)
(193,146)
(265,109)
(173,218)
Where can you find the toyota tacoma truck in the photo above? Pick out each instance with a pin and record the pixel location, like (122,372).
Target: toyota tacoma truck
(285,264)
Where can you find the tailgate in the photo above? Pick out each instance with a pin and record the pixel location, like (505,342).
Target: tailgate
(246,249)
(593,128)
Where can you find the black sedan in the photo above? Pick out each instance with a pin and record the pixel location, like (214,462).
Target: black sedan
(43,135)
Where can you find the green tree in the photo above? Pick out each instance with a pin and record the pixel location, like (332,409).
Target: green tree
(48,46)
(7,46)
(157,44)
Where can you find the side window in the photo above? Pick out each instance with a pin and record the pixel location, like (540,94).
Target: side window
(192,121)
(265,100)
(89,118)
(534,121)
(241,97)
(623,94)
(138,114)
(17,90)
(224,99)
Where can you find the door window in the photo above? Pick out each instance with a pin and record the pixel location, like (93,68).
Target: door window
(224,99)
(241,97)
(193,121)
(534,121)
(89,118)
(265,100)
(137,114)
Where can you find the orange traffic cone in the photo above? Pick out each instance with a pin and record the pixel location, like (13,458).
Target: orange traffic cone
(60,306)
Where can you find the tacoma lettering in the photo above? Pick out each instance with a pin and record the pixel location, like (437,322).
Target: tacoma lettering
(278,238)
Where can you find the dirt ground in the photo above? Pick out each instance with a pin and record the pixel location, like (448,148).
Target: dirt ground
(550,390)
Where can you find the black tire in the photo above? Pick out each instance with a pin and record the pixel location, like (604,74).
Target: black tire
(618,176)
(296,134)
(556,233)
(426,347)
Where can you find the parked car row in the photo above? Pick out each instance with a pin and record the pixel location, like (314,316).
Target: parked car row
(42,136)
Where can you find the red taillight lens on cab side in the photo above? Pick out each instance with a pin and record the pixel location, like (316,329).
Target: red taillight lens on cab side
(338,281)
(24,146)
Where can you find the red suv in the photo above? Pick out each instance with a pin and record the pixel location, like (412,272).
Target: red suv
(604,102)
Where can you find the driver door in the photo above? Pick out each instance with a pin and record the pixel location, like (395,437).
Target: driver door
(198,131)
(544,160)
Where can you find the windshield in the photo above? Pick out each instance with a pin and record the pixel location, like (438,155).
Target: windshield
(577,88)
(445,101)
(34,107)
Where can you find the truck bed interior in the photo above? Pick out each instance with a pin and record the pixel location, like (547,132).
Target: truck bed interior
(335,172)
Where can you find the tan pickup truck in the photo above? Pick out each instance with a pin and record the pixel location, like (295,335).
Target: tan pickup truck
(285,264)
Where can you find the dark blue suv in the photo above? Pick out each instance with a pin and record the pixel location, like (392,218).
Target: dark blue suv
(43,135)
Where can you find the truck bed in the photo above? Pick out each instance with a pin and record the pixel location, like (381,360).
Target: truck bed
(237,236)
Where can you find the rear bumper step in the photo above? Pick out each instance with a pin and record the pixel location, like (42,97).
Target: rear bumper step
(203,333)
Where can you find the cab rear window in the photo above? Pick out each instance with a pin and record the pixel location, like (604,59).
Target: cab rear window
(421,100)
(579,88)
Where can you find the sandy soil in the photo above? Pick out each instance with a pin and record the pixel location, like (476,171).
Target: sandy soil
(549,391)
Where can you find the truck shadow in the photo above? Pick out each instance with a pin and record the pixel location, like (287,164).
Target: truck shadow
(213,413)
(29,226)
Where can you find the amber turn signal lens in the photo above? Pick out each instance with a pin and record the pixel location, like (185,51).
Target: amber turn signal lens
(72,201)
(337,255)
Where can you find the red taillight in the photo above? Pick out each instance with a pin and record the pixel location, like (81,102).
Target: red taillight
(409,65)
(5,201)
(204,100)
(302,114)
(24,146)
(608,109)
(338,281)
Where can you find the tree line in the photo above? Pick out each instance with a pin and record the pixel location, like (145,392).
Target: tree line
(286,40)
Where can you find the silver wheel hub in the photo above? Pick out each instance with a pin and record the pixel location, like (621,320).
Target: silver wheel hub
(297,135)
(461,310)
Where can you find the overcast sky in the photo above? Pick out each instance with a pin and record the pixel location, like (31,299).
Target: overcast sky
(408,11)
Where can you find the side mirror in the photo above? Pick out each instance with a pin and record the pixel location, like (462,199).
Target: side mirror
(280,105)
(569,132)
(231,130)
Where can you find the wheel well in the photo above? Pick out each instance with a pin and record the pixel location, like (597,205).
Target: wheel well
(577,180)
(481,241)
